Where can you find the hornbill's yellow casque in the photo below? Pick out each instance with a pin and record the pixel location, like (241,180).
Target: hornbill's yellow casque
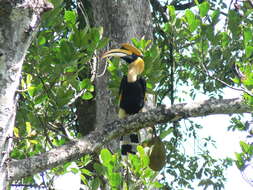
(132,88)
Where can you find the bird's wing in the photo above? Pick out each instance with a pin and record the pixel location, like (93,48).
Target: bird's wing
(143,85)
(122,87)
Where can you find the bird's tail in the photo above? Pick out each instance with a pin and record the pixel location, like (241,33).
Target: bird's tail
(129,143)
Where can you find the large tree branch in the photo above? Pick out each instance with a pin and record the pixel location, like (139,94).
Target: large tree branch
(188,5)
(93,142)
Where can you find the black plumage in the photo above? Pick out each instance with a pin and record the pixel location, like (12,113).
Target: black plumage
(132,90)
(132,95)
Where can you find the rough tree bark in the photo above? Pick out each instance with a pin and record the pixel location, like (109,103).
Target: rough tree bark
(121,21)
(18,21)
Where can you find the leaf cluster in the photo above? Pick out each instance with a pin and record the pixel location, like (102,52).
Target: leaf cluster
(55,73)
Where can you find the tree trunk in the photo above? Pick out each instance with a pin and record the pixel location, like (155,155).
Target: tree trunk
(121,21)
(17,24)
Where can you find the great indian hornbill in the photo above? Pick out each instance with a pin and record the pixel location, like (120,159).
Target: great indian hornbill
(132,89)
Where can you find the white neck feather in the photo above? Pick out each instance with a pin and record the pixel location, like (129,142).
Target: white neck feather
(132,75)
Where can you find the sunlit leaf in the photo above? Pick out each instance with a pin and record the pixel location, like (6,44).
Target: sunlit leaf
(172,12)
(83,179)
(28,128)
(84,84)
(245,147)
(87,96)
(248,51)
(203,8)
(31,90)
(191,20)
(105,155)
(86,172)
(28,80)
(70,16)
(41,40)
(247,34)
(33,141)
(16,132)
(239,160)
(157,184)
(115,179)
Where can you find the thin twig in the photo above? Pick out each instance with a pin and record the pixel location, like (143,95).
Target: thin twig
(76,97)
(81,7)
(21,90)
(100,75)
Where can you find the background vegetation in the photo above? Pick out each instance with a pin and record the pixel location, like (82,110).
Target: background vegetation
(207,46)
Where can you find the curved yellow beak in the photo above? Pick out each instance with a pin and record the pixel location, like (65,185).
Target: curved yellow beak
(116,53)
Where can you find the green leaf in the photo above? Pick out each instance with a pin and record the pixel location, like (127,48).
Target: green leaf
(236,80)
(70,69)
(135,162)
(149,85)
(156,184)
(16,132)
(234,21)
(105,156)
(74,170)
(141,151)
(172,12)
(84,180)
(102,43)
(191,20)
(225,39)
(28,80)
(31,90)
(247,34)
(87,96)
(145,161)
(115,179)
(112,67)
(41,40)
(196,2)
(189,16)
(215,16)
(245,147)
(203,8)
(166,133)
(99,168)
(86,160)
(40,99)
(70,16)
(248,51)
(28,128)
(86,172)
(239,160)
(33,141)
(143,156)
(95,183)
(86,84)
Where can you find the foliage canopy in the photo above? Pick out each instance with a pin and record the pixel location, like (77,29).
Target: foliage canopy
(208,47)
